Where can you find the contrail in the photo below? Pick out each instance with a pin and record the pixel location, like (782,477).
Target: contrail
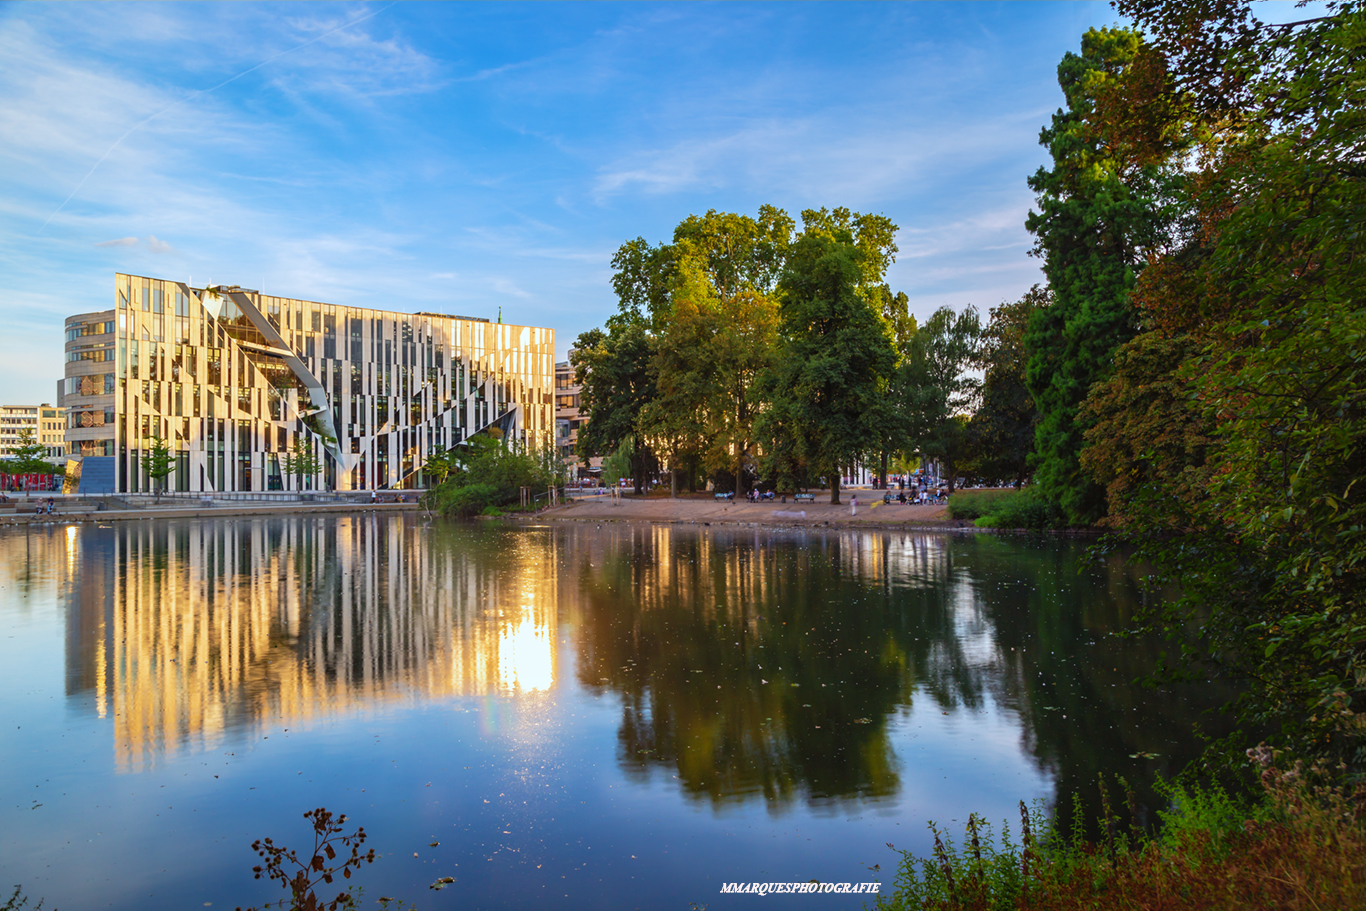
(194,95)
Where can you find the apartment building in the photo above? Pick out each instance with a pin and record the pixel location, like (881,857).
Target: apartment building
(568,420)
(237,383)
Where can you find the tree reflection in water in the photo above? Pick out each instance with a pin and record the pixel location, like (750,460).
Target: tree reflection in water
(773,663)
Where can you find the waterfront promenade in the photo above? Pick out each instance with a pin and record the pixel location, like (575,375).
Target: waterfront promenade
(700,510)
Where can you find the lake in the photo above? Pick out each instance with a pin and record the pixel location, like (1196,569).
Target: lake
(565,716)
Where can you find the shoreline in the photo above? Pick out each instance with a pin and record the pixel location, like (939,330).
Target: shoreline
(195,512)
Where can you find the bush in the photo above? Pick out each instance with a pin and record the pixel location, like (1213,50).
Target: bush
(1005,509)
(464,502)
(963,505)
(488,476)
(1021,509)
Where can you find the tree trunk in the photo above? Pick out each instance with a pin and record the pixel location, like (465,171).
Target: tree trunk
(673,481)
(835,488)
(883,478)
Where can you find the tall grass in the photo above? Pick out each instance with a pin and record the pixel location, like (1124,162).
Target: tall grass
(1302,845)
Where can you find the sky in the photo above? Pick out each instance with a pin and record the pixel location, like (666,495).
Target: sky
(470,158)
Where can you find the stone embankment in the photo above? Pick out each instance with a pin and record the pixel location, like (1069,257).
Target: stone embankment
(695,510)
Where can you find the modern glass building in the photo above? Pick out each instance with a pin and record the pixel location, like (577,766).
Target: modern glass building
(238,384)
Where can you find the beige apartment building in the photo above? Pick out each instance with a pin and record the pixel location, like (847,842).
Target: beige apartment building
(236,382)
(46,422)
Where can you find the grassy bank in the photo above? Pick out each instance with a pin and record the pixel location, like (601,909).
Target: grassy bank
(1300,845)
(1022,508)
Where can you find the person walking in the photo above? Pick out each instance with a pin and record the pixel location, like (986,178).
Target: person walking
(853,505)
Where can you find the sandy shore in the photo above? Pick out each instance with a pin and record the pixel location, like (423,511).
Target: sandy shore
(709,511)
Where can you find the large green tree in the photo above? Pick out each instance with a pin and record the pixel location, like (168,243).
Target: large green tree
(1099,214)
(614,370)
(836,354)
(715,331)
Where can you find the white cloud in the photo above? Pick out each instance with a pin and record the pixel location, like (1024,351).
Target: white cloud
(158,246)
(121,242)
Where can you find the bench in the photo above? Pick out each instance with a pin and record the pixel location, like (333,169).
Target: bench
(804,496)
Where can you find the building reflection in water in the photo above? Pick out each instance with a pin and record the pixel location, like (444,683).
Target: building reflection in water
(186,630)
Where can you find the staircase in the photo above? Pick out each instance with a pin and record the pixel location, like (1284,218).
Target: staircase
(97,475)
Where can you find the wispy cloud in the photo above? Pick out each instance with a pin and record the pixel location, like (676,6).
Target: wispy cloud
(121,242)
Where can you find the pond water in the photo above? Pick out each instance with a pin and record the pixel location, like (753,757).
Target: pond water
(557,717)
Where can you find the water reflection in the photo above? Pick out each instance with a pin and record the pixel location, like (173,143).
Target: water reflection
(749,665)
(185,630)
(773,664)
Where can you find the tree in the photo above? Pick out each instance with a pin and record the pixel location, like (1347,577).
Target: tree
(27,456)
(157,463)
(715,333)
(944,350)
(895,425)
(614,370)
(1098,216)
(835,353)
(1001,433)
(301,462)
(1147,431)
(1258,330)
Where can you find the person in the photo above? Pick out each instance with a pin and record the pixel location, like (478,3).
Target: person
(853,505)
(51,506)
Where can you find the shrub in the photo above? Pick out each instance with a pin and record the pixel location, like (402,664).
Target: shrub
(464,502)
(973,505)
(1021,509)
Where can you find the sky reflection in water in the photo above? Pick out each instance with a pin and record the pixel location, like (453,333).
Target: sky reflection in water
(625,716)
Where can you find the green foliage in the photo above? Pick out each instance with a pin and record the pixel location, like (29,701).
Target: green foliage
(1024,508)
(1001,433)
(974,504)
(27,457)
(836,355)
(614,369)
(1301,844)
(1147,429)
(618,465)
(714,333)
(1268,545)
(490,475)
(938,362)
(1098,217)
(158,462)
(301,461)
(465,501)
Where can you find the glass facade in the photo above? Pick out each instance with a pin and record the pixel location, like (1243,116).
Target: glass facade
(235,382)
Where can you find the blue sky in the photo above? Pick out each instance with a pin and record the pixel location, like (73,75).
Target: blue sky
(467,157)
